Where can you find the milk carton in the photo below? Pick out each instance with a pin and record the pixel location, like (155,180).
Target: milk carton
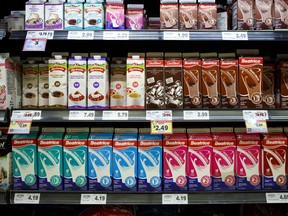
(34,15)
(77,87)
(73,15)
(93,15)
(24,150)
(98,83)
(274,162)
(50,159)
(174,162)
(135,16)
(5,161)
(136,82)
(149,162)
(199,157)
(75,159)
(125,162)
(43,83)
(100,161)
(115,15)
(54,15)
(58,82)
(224,161)
(248,161)
(17,81)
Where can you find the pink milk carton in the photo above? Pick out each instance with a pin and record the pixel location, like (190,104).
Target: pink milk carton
(174,162)
(224,161)
(115,15)
(135,16)
(199,157)
(274,165)
(248,161)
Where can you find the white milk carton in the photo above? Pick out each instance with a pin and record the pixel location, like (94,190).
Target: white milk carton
(93,15)
(77,87)
(98,83)
(34,15)
(5,161)
(18,67)
(58,82)
(43,83)
(73,15)
(54,15)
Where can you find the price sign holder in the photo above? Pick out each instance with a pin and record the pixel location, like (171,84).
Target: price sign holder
(255,121)
(35,44)
(115,115)
(27,198)
(80,35)
(196,115)
(235,36)
(21,121)
(175,199)
(176,35)
(116,35)
(161,122)
(49,35)
(81,115)
(93,199)
(277,197)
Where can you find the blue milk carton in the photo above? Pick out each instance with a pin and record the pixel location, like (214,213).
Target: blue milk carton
(50,159)
(100,161)
(125,162)
(73,15)
(149,162)
(75,159)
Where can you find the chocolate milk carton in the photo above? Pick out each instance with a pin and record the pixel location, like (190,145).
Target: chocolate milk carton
(115,14)
(283,73)
(43,83)
(155,98)
(169,14)
(199,157)
(269,85)
(188,16)
(243,15)
(280,14)
(192,82)
(93,15)
(264,16)
(274,162)
(135,16)
(54,15)
(34,15)
(207,14)
(73,15)
(173,81)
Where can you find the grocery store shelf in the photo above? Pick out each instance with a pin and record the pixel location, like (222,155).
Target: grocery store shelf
(211,35)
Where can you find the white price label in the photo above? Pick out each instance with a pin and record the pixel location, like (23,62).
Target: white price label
(115,115)
(116,35)
(175,199)
(178,35)
(234,36)
(36,114)
(159,115)
(255,114)
(80,35)
(94,199)
(196,115)
(277,197)
(81,115)
(40,34)
(22,115)
(27,198)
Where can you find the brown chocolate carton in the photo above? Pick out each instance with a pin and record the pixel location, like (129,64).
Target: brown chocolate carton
(188,16)
(269,85)
(169,14)
(264,14)
(283,72)
(243,15)
(281,14)
(207,14)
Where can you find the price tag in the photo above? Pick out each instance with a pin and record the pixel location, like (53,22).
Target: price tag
(196,115)
(40,34)
(81,115)
(234,36)
(116,35)
(161,127)
(36,114)
(27,198)
(115,115)
(21,121)
(35,44)
(255,114)
(96,199)
(174,199)
(277,197)
(80,35)
(159,115)
(178,35)
(256,126)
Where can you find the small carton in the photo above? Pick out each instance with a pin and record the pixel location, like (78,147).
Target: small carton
(155,97)
(58,82)
(93,15)
(173,72)
(264,14)
(199,159)
(18,71)
(115,15)
(243,15)
(118,95)
(174,162)
(280,14)
(30,85)
(223,18)
(274,161)
(250,82)
(77,83)
(188,16)
(136,81)
(75,159)
(54,15)
(248,161)
(5,161)
(100,161)
(207,14)
(73,15)
(169,15)
(125,162)
(269,86)
(50,159)
(43,83)
(283,73)
(149,162)
(135,17)
(34,15)
(98,83)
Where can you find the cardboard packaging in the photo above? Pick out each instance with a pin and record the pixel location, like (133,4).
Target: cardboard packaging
(54,13)
(169,15)
(280,14)
(243,15)
(43,83)
(73,14)
(135,17)
(269,86)
(34,15)
(18,71)
(207,14)
(283,72)
(93,15)
(5,161)
(264,17)
(115,15)
(223,18)
(188,16)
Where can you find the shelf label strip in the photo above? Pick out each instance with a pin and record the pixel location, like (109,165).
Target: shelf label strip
(93,199)
(27,198)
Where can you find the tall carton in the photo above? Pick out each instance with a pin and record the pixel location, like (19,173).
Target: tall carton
(34,15)
(243,15)
(5,161)
(264,14)
(125,162)
(199,157)
(43,83)
(169,15)
(280,14)
(24,150)
(100,161)
(207,14)
(115,15)
(174,162)
(75,159)
(224,161)
(188,16)
(149,162)
(54,13)
(283,73)
(18,69)
(135,17)
(73,15)
(274,161)
(93,15)
(50,159)
(269,86)
(248,161)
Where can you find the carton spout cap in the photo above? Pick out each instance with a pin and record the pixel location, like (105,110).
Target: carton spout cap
(78,57)
(97,57)
(135,57)
(58,57)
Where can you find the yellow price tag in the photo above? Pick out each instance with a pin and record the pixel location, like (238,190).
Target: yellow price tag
(256,126)
(161,127)
(20,127)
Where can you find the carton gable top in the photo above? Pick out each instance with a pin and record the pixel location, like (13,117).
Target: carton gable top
(156,137)
(51,136)
(76,136)
(101,136)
